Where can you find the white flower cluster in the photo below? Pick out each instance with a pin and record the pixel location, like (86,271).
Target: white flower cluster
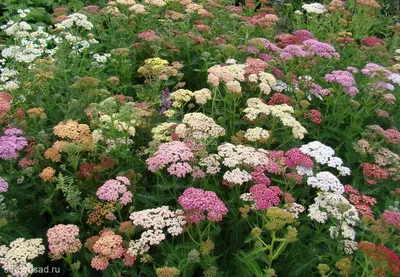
(256,134)
(280,86)
(236,176)
(14,258)
(255,107)
(155,220)
(324,155)
(316,8)
(199,126)
(8,80)
(101,58)
(237,155)
(332,205)
(326,181)
(75,19)
(156,3)
(335,205)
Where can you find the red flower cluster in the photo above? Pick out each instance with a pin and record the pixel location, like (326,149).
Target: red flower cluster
(362,203)
(373,173)
(383,255)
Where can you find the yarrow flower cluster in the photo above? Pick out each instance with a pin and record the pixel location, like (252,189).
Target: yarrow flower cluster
(62,240)
(362,203)
(256,107)
(3,185)
(173,154)
(115,190)
(15,257)
(384,257)
(11,143)
(391,218)
(75,19)
(326,181)
(343,78)
(154,221)
(199,127)
(265,197)
(316,8)
(324,155)
(200,205)
(109,247)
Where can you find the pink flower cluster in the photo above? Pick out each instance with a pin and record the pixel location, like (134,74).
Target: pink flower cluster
(373,173)
(315,115)
(5,102)
(255,66)
(265,197)
(320,49)
(175,154)
(345,79)
(375,70)
(147,35)
(258,176)
(10,143)
(362,203)
(109,247)
(3,185)
(115,190)
(295,157)
(196,202)
(392,218)
(62,240)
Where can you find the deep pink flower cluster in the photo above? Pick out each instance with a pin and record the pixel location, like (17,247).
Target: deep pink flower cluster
(258,176)
(315,115)
(371,41)
(265,197)
(62,240)
(196,202)
(170,154)
(10,143)
(392,135)
(373,173)
(362,203)
(375,70)
(115,190)
(295,157)
(320,49)
(391,218)
(345,79)
(303,35)
(3,185)
(293,50)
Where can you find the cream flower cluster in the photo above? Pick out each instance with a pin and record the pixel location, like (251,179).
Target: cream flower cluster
(211,162)
(256,134)
(232,74)
(75,19)
(199,127)
(239,155)
(255,107)
(162,132)
(324,155)
(154,221)
(15,257)
(316,8)
(236,177)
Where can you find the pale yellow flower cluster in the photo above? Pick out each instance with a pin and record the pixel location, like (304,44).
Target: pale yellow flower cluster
(255,107)
(182,96)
